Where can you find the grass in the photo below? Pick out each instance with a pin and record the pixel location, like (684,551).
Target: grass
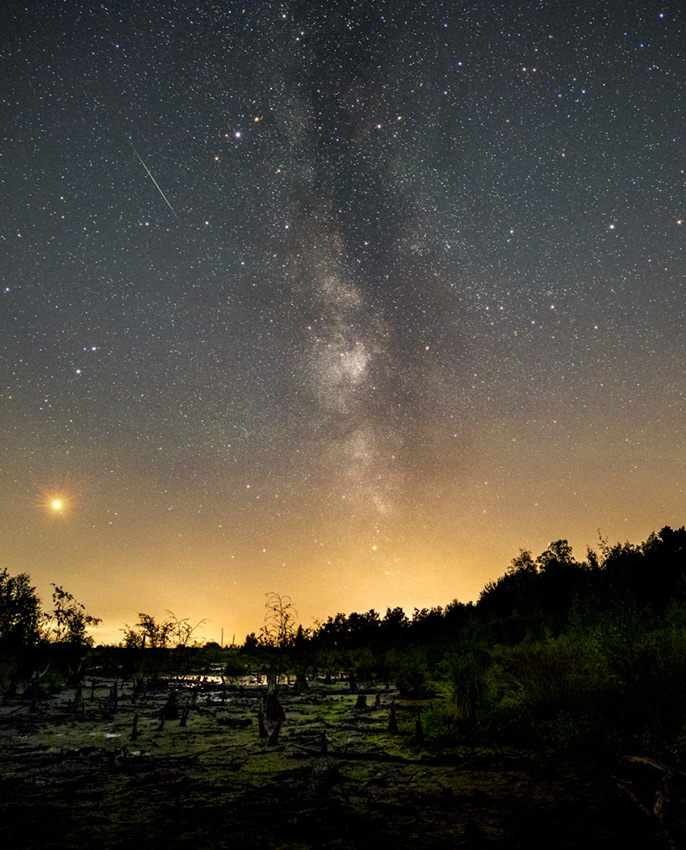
(71,780)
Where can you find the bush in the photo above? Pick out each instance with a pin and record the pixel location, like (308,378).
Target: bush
(438,726)
(464,686)
(411,673)
(556,696)
(234,666)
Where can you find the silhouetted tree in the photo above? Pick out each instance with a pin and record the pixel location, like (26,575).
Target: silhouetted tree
(148,632)
(68,622)
(19,611)
(183,634)
(394,626)
(664,572)
(280,621)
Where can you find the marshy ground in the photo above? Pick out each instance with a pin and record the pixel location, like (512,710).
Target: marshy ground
(72,774)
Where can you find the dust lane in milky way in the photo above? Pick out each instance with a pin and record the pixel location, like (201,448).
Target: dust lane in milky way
(403,296)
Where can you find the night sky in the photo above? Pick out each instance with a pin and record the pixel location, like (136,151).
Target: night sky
(345,300)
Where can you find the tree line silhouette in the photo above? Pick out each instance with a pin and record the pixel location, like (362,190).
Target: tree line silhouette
(576,658)
(581,658)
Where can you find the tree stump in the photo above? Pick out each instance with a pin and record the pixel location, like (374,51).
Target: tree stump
(261,730)
(274,715)
(418,731)
(271,678)
(171,709)
(393,721)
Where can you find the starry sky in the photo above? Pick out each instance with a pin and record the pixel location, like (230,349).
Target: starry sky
(345,300)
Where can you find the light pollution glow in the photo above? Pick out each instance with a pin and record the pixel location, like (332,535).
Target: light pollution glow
(426,311)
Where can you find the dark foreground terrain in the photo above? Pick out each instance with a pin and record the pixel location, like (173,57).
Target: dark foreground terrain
(73,775)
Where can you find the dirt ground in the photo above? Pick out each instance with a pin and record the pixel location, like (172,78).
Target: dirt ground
(72,775)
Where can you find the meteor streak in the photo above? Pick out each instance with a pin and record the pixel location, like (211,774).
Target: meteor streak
(157,185)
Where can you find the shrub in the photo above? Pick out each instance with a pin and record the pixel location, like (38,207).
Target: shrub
(464,686)
(411,673)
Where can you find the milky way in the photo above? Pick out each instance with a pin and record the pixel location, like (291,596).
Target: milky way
(404,295)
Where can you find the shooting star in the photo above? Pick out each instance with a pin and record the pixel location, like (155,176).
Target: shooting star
(157,185)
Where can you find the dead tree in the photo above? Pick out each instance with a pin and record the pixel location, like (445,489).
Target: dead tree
(274,715)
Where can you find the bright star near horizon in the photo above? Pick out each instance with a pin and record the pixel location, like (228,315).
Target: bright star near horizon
(340,313)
